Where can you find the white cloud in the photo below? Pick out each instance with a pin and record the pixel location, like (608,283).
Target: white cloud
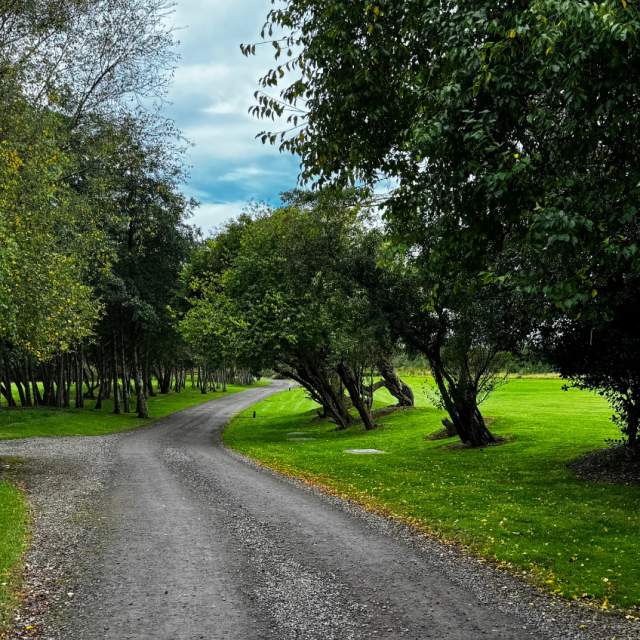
(210,97)
(211,216)
(248,174)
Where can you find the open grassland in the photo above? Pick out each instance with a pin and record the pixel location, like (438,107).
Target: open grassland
(518,503)
(42,421)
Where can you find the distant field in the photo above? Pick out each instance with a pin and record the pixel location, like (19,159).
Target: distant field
(24,423)
(517,503)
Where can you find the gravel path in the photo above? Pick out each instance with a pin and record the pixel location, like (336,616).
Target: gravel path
(158,534)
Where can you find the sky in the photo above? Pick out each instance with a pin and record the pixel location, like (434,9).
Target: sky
(211,93)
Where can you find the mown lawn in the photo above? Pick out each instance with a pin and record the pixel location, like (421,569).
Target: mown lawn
(13,536)
(517,503)
(25,423)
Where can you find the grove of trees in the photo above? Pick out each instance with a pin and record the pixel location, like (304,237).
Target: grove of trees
(93,225)
(509,131)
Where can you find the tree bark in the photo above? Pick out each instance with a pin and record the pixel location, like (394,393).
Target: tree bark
(354,388)
(125,379)
(459,398)
(116,390)
(397,388)
(141,396)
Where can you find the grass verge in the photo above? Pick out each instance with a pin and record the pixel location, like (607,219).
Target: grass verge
(518,504)
(46,422)
(14,519)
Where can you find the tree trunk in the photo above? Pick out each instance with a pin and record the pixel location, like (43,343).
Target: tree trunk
(164,378)
(34,385)
(354,388)
(397,388)
(116,390)
(125,379)
(141,396)
(632,406)
(60,389)
(20,389)
(321,390)
(6,388)
(460,401)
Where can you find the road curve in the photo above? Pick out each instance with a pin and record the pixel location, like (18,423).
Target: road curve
(195,544)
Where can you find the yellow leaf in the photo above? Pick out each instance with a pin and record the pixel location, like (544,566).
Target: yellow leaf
(512,34)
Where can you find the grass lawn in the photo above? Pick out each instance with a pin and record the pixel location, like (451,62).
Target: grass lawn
(517,503)
(24,423)
(13,537)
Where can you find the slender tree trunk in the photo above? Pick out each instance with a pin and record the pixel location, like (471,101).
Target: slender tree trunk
(60,385)
(34,385)
(20,389)
(125,379)
(6,388)
(141,396)
(116,391)
(26,378)
(68,379)
(101,388)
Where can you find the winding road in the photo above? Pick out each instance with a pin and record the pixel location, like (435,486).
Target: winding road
(194,543)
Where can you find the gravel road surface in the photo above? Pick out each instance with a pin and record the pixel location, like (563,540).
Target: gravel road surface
(163,534)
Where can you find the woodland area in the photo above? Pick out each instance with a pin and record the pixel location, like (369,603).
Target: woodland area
(94,229)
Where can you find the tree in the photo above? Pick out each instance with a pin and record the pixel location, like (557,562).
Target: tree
(305,313)
(510,129)
(91,219)
(604,357)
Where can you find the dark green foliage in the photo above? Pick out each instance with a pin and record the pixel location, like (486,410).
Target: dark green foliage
(510,129)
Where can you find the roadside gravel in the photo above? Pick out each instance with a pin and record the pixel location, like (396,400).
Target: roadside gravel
(65,481)
(555,618)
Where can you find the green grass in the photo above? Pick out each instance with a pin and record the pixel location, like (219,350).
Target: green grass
(25,423)
(13,537)
(517,503)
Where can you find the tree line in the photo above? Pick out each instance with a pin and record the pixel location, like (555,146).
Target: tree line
(94,229)
(509,132)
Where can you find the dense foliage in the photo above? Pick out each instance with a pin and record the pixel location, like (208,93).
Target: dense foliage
(510,130)
(93,231)
(280,291)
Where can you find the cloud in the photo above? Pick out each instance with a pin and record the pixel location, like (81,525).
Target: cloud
(212,216)
(210,97)
(249,174)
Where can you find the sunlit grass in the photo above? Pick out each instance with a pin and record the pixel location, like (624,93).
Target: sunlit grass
(517,503)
